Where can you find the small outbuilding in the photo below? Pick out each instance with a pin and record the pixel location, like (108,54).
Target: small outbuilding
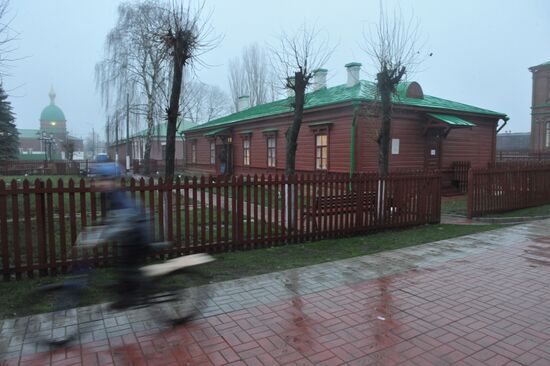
(340,130)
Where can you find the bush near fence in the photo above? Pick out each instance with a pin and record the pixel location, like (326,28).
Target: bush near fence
(40,221)
(507,187)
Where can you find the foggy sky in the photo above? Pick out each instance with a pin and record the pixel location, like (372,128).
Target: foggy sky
(481,49)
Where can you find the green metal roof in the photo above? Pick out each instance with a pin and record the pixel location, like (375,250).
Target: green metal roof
(27,133)
(39,156)
(362,91)
(544,64)
(161,128)
(452,120)
(52,113)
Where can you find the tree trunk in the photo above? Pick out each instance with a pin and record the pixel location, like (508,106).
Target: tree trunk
(292,134)
(173,112)
(149,138)
(385,130)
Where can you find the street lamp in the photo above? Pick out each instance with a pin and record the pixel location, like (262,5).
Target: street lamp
(48,141)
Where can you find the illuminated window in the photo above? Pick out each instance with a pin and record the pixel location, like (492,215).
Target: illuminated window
(212,153)
(194,152)
(321,152)
(271,152)
(246,151)
(547,144)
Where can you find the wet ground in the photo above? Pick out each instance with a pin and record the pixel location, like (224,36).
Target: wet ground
(482,299)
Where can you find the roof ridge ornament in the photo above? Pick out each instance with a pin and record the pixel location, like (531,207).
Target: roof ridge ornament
(52,95)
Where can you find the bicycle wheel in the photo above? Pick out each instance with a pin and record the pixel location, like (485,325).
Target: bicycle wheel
(59,326)
(170,304)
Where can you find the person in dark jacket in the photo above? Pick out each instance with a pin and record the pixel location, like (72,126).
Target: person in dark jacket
(128,227)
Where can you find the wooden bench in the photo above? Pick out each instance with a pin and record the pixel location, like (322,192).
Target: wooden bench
(340,204)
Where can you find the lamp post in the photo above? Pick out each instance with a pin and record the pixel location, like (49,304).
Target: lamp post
(48,141)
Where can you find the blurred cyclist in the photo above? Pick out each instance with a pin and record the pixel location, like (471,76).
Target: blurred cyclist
(128,227)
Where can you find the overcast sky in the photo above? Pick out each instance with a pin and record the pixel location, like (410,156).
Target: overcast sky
(481,49)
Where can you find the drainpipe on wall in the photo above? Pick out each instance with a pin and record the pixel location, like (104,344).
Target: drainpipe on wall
(353,138)
(505,119)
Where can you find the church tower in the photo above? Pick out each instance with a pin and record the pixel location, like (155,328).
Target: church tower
(53,125)
(540,108)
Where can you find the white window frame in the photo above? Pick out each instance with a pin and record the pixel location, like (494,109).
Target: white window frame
(321,163)
(246,151)
(194,152)
(271,152)
(212,153)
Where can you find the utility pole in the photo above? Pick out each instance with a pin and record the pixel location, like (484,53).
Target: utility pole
(93,143)
(116,138)
(107,127)
(128,132)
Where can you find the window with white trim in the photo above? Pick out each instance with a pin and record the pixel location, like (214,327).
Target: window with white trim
(212,153)
(321,151)
(547,133)
(194,152)
(246,151)
(271,151)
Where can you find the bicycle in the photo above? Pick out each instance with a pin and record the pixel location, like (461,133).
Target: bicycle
(165,302)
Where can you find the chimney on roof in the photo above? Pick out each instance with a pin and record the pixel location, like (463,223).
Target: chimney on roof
(290,81)
(244,103)
(353,73)
(319,79)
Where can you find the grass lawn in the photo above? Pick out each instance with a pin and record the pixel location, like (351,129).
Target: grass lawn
(454,205)
(525,212)
(248,263)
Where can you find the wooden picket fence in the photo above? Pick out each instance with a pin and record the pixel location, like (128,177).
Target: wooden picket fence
(507,187)
(40,221)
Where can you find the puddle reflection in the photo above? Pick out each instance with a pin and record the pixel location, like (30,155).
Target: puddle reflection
(298,334)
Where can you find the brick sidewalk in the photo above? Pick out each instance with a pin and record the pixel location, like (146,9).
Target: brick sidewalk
(482,299)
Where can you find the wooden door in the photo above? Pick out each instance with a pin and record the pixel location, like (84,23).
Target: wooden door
(433,149)
(224,157)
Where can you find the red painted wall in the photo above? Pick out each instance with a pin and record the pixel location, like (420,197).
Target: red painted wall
(476,144)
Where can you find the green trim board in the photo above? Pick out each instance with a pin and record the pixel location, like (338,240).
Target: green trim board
(364,91)
(247,132)
(452,120)
(270,130)
(317,124)
(218,131)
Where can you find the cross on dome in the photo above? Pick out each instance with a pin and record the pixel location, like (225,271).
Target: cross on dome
(52,95)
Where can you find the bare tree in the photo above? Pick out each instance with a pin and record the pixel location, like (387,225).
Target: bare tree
(392,45)
(7,36)
(135,62)
(251,75)
(237,82)
(298,56)
(187,35)
(202,102)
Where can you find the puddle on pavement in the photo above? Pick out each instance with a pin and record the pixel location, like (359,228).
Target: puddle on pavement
(381,309)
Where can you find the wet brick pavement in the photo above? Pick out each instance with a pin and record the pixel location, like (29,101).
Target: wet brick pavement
(482,299)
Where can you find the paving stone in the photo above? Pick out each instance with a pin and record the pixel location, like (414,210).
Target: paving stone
(479,299)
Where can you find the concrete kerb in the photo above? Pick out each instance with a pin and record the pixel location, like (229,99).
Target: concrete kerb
(500,220)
